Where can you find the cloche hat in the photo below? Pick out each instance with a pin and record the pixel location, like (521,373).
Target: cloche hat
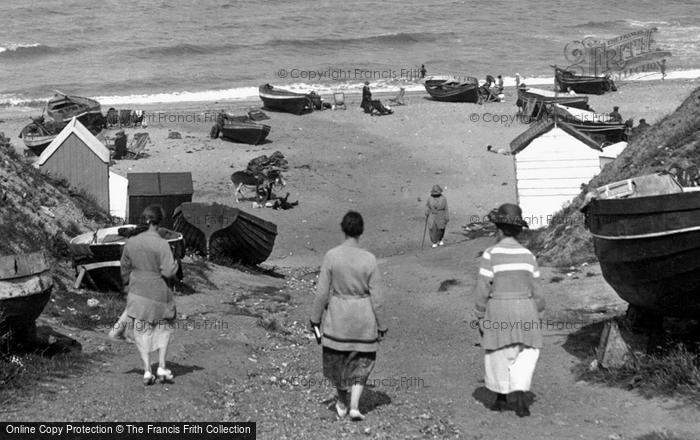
(508,214)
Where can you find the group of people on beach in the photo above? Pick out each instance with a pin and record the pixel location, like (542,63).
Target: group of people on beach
(348,313)
(349,317)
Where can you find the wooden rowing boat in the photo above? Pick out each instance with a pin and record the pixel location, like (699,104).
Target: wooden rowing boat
(37,137)
(62,108)
(241,129)
(599,126)
(25,288)
(451,89)
(649,250)
(532,101)
(274,98)
(97,255)
(596,85)
(220,231)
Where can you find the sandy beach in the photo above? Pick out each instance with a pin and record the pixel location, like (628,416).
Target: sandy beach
(382,167)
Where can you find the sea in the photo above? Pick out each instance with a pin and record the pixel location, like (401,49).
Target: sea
(152,51)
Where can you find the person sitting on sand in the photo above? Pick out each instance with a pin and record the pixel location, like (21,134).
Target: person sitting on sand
(437,215)
(120,149)
(508,294)
(349,298)
(366,103)
(615,115)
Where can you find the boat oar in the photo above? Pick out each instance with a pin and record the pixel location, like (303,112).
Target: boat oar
(425,229)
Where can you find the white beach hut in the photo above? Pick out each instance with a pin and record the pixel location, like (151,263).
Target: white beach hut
(79,157)
(552,160)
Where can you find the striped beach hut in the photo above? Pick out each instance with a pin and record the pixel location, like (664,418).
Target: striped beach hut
(79,157)
(552,160)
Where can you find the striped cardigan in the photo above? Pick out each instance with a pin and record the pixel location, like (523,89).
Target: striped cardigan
(509,296)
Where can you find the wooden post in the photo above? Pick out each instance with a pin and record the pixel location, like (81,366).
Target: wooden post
(79,279)
(613,351)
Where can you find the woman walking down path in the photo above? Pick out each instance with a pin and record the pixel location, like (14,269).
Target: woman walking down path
(349,298)
(438,215)
(508,303)
(146,262)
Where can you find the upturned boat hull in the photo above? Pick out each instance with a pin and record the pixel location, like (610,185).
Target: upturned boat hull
(245,133)
(99,254)
(284,100)
(649,250)
(223,232)
(25,288)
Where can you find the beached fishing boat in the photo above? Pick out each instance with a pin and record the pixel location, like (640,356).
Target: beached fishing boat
(532,101)
(649,246)
(451,89)
(596,85)
(62,108)
(274,98)
(37,136)
(96,255)
(220,231)
(25,288)
(240,129)
(598,126)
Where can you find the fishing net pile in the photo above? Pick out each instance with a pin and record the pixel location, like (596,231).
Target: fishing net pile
(264,164)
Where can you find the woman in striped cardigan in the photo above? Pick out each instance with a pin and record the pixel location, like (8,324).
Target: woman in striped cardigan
(508,305)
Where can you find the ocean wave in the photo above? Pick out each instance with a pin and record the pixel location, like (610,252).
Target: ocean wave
(183,49)
(28,49)
(391,40)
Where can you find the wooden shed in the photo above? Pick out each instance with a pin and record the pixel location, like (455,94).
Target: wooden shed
(552,160)
(79,157)
(168,190)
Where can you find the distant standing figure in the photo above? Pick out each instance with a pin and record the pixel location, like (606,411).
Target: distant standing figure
(423,71)
(366,103)
(517,80)
(500,84)
(120,149)
(508,294)
(349,298)
(147,262)
(662,67)
(615,115)
(438,215)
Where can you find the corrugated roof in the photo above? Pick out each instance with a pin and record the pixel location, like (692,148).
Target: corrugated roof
(544,126)
(74,126)
(153,184)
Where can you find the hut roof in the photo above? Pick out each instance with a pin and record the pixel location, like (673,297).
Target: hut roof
(544,126)
(75,127)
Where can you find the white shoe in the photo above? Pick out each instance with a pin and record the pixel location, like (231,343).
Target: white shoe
(442,243)
(356,415)
(434,245)
(164,375)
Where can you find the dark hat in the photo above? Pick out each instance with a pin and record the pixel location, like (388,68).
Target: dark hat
(508,214)
(436,191)
(366,83)
(120,133)
(616,108)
